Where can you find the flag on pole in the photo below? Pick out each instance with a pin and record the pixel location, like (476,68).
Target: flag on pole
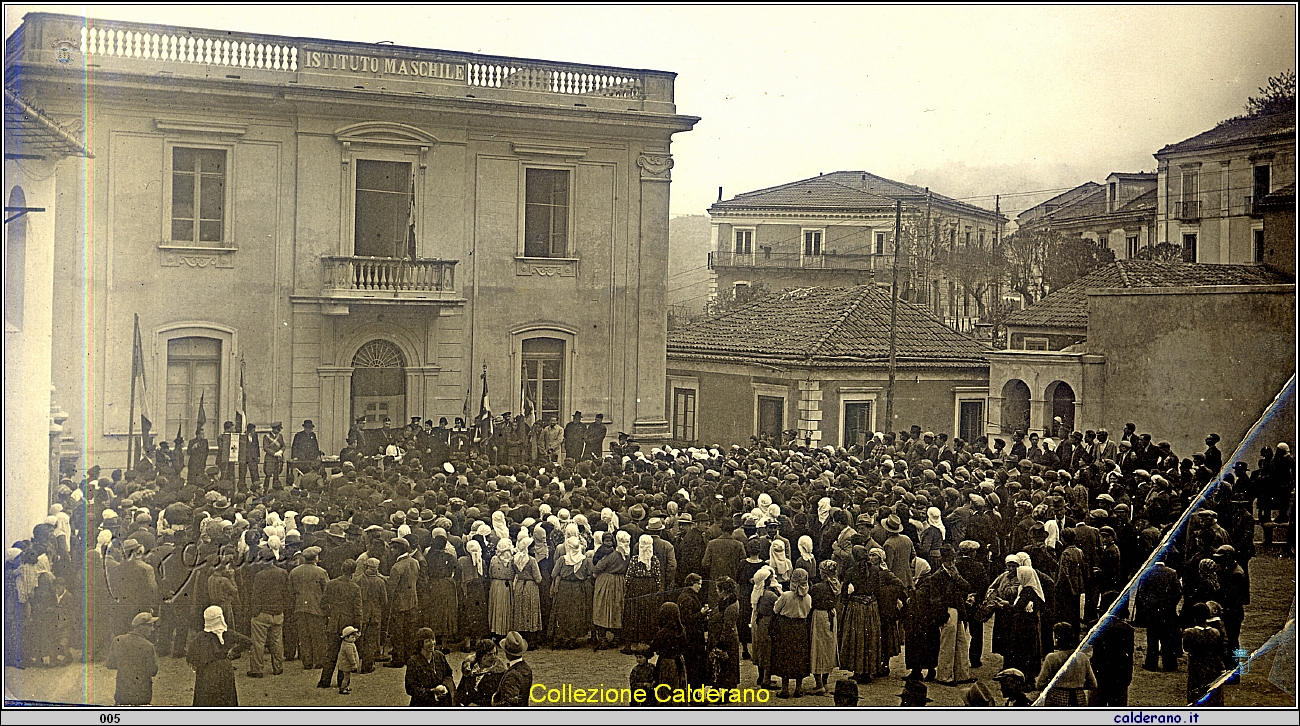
(242,411)
(485,409)
(529,412)
(203,416)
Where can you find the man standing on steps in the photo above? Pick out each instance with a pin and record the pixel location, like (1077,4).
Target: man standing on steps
(575,438)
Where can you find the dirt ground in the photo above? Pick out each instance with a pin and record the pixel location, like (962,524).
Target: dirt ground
(1272,592)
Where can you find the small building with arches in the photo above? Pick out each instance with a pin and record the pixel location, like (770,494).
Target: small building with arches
(330,230)
(1179,349)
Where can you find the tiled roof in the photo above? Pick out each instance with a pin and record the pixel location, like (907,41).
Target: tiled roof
(840,190)
(843,325)
(1089,200)
(1068,306)
(1237,130)
(1140,203)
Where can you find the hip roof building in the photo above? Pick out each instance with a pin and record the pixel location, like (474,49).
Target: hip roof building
(330,230)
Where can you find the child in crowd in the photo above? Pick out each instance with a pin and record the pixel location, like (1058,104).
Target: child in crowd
(1072,687)
(349,660)
(643,675)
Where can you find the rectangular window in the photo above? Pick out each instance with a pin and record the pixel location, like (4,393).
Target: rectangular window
(684,414)
(1131,246)
(546,213)
(771,416)
(384,225)
(744,242)
(193,375)
(880,243)
(543,377)
(1035,343)
(812,242)
(1103,239)
(970,417)
(1258,239)
(198,197)
(1260,186)
(968,237)
(981,238)
(952,299)
(857,423)
(1189,247)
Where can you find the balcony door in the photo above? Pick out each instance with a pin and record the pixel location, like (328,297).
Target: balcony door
(384,225)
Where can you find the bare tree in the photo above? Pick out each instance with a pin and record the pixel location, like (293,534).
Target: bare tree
(1277,95)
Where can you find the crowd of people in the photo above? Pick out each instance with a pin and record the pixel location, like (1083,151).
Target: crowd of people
(802,560)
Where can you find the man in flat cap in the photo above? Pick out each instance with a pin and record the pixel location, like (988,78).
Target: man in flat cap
(308,581)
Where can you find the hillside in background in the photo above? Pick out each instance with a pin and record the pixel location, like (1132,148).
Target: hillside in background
(688,258)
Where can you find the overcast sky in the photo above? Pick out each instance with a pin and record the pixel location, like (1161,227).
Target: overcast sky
(970,101)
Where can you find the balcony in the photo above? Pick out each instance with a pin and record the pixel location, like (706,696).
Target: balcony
(389,279)
(66,45)
(797,261)
(1187,211)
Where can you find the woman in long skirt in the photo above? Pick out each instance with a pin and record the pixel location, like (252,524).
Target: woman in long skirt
(763,598)
(695,620)
(869,587)
(568,603)
(641,593)
(607,603)
(745,572)
(1001,594)
(724,638)
(443,608)
(474,585)
(669,644)
(1026,651)
(790,633)
(525,593)
(210,654)
(502,572)
(823,656)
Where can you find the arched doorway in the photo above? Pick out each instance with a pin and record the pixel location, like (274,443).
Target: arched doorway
(1062,397)
(379,385)
(1015,406)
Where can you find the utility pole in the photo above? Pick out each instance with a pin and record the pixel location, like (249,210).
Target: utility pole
(929,246)
(996,301)
(893,318)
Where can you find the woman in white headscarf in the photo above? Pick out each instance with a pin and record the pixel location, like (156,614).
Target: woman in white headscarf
(1026,647)
(474,586)
(210,653)
(609,568)
(501,570)
(930,536)
(780,563)
(806,560)
(643,586)
(525,592)
(101,636)
(763,597)
(499,528)
(570,608)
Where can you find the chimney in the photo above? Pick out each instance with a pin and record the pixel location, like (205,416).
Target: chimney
(719,194)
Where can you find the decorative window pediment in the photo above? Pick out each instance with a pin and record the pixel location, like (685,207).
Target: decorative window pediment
(384,133)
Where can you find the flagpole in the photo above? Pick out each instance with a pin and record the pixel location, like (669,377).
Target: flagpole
(130,426)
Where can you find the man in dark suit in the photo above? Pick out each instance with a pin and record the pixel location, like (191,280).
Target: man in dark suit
(1157,611)
(575,438)
(341,604)
(517,681)
(305,450)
